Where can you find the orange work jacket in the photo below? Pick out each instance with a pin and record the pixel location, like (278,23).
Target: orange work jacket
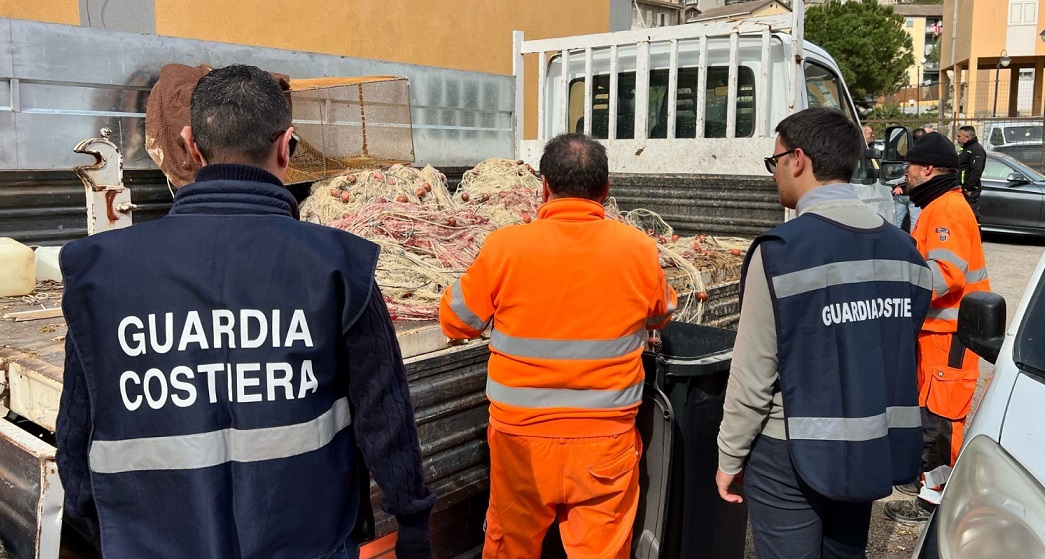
(571,297)
(949,240)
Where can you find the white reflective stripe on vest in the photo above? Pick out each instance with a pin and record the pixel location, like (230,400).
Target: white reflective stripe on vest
(943,314)
(950,257)
(461,309)
(854,271)
(854,429)
(976,275)
(202,450)
(586,398)
(567,349)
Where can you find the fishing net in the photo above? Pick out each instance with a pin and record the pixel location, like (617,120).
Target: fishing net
(428,237)
(505,191)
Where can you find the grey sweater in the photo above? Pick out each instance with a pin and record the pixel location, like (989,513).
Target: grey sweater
(753,403)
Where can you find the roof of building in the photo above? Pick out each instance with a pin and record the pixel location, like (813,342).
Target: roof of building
(660,3)
(919,10)
(734,10)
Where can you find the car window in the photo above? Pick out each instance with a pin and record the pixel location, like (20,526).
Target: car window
(1023,133)
(1029,349)
(995,169)
(996,137)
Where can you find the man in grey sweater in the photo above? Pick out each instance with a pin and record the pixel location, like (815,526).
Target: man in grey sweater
(821,405)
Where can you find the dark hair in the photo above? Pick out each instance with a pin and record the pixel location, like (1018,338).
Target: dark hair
(968,130)
(833,143)
(234,113)
(917,134)
(576,166)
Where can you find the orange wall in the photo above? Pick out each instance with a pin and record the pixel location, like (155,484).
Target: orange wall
(462,34)
(49,11)
(471,35)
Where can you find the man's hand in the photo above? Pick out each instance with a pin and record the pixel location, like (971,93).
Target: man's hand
(897,191)
(413,550)
(724,482)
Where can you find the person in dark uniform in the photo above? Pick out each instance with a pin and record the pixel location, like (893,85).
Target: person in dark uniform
(228,365)
(971,161)
(821,408)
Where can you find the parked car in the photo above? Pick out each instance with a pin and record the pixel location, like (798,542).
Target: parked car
(993,505)
(1013,197)
(1021,139)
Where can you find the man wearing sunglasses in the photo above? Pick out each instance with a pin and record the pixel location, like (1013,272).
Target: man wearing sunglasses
(229,368)
(821,408)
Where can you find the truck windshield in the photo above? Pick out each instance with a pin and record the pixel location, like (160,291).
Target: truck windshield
(716,95)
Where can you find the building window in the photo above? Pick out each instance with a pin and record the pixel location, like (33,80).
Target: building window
(910,22)
(1023,12)
(663,20)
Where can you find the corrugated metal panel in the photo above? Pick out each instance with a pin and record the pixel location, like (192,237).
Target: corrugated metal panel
(49,207)
(693,204)
(449,396)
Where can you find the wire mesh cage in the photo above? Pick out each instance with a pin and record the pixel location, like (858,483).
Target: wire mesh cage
(349,122)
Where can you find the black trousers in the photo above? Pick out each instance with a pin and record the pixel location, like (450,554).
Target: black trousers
(791,521)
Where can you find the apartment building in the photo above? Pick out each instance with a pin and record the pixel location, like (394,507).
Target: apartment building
(992,58)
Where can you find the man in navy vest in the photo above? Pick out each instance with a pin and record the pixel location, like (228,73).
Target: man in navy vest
(225,363)
(821,409)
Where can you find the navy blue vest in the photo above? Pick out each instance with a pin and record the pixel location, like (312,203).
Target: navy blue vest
(210,341)
(848,303)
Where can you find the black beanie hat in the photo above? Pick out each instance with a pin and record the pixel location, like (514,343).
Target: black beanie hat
(933,149)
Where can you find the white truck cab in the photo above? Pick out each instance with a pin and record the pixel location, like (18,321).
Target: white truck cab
(693,99)
(993,505)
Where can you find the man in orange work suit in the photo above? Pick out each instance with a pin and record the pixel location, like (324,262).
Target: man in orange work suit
(948,237)
(571,297)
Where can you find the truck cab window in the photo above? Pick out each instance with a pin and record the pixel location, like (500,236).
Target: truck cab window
(716,96)
(824,89)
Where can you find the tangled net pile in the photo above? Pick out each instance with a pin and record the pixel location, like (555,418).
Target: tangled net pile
(690,257)
(428,237)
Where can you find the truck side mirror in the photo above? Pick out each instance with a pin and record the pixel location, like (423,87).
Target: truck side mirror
(897,140)
(981,323)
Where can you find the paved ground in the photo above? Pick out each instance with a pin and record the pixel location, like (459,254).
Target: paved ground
(1010,262)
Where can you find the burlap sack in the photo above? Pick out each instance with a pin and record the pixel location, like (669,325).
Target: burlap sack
(168,113)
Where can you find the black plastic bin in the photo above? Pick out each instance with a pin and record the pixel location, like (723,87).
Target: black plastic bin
(691,371)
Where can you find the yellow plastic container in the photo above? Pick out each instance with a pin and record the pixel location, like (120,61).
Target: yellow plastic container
(17,268)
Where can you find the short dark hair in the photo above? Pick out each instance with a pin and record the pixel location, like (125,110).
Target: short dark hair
(833,143)
(968,130)
(234,112)
(576,166)
(917,134)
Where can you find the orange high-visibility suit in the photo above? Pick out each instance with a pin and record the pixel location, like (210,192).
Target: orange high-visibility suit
(949,239)
(571,297)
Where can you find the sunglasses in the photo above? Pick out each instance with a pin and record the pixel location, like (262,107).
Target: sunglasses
(772,160)
(293,140)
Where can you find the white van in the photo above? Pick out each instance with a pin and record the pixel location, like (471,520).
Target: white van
(994,503)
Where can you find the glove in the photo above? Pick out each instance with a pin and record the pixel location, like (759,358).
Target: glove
(413,549)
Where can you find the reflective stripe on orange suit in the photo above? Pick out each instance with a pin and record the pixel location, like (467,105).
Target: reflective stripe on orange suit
(949,239)
(570,298)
